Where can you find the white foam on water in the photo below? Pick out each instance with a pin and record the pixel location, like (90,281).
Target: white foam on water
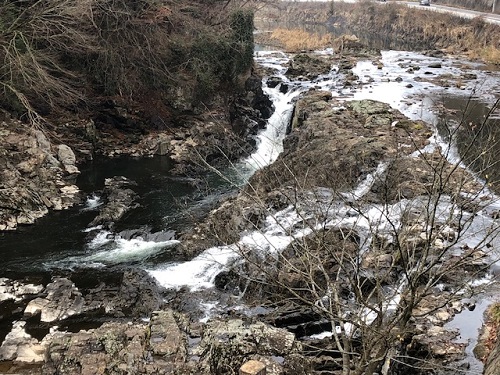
(364,186)
(102,238)
(129,250)
(106,248)
(92,202)
(91,229)
(270,140)
(200,272)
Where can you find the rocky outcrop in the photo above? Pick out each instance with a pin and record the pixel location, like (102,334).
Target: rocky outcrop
(134,294)
(17,291)
(168,344)
(227,344)
(119,199)
(19,346)
(308,66)
(35,175)
(40,311)
(62,300)
(159,347)
(336,144)
(114,348)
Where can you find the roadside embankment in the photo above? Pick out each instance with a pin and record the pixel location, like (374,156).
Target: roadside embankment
(480,5)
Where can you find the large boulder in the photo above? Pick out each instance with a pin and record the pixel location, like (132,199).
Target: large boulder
(63,299)
(32,179)
(68,159)
(19,346)
(120,198)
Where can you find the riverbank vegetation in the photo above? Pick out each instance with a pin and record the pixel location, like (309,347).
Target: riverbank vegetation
(372,22)
(68,54)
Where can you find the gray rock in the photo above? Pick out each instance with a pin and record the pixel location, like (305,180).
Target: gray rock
(121,348)
(67,157)
(227,344)
(119,200)
(308,65)
(113,348)
(62,301)
(42,141)
(21,347)
(166,339)
(435,65)
(137,295)
(31,177)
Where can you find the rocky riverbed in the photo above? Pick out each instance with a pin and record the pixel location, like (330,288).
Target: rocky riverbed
(358,192)
(171,341)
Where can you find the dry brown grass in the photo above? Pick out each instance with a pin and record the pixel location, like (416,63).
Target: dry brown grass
(294,40)
(489,54)
(418,28)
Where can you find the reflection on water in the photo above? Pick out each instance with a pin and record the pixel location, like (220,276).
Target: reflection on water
(475,127)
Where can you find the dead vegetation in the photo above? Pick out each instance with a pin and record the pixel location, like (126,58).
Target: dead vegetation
(414,27)
(297,40)
(62,54)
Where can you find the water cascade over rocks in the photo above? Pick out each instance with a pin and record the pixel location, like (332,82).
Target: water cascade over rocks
(353,173)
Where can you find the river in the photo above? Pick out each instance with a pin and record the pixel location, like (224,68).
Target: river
(64,241)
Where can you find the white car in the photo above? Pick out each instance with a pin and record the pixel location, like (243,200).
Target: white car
(425,2)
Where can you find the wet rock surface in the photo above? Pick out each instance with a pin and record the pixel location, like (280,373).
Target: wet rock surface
(120,198)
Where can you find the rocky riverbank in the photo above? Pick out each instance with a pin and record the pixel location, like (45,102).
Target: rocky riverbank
(39,166)
(36,175)
(119,320)
(333,146)
(364,189)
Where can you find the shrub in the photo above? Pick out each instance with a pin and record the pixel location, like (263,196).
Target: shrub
(60,53)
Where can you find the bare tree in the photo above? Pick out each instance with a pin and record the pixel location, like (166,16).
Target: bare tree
(381,263)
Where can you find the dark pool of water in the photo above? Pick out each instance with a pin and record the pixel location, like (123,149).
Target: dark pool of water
(475,127)
(61,234)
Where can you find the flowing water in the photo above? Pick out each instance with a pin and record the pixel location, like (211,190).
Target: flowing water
(62,240)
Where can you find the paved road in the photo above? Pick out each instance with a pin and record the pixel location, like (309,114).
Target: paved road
(488,17)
